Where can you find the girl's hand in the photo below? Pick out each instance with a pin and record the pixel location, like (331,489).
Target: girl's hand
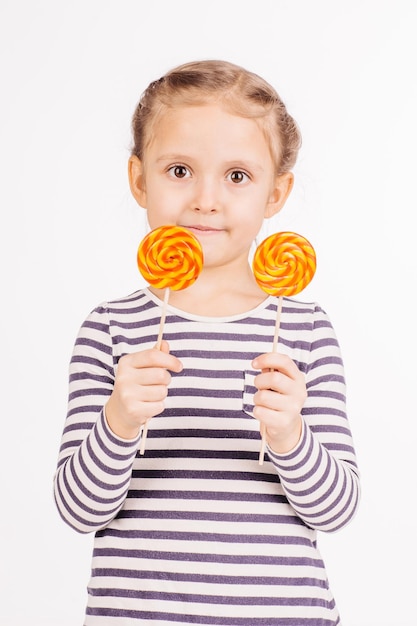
(140,388)
(278,402)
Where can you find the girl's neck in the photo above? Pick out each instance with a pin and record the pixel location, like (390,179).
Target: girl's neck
(214,295)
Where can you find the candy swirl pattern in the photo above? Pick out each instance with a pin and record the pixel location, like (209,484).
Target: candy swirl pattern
(284,264)
(170,256)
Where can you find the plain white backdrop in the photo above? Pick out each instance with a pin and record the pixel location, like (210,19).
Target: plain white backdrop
(71,75)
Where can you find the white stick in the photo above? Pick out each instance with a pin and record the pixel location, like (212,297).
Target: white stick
(158,346)
(274,349)
(277,325)
(163,316)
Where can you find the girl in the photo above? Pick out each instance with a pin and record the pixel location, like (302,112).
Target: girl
(195,530)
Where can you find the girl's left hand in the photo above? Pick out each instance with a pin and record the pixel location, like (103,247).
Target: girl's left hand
(278,402)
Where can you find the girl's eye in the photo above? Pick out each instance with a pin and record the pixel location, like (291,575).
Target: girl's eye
(238,177)
(179,171)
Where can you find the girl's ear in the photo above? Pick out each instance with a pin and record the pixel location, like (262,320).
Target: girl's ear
(282,188)
(137,180)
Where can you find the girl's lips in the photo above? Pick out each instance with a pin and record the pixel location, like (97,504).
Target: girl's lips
(204,229)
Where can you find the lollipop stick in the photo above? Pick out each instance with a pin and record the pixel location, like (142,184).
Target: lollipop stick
(158,347)
(277,325)
(263,445)
(274,349)
(163,316)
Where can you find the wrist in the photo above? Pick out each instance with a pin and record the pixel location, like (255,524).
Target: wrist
(119,429)
(283,444)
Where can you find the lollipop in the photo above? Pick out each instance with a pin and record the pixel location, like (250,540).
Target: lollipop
(283,264)
(169,257)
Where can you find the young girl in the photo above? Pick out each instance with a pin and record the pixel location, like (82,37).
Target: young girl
(195,531)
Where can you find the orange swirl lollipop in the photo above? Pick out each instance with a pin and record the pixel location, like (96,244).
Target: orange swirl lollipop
(283,264)
(169,257)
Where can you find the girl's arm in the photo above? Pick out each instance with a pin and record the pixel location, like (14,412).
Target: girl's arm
(319,473)
(94,465)
(95,460)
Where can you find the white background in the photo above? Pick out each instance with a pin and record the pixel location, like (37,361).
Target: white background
(71,75)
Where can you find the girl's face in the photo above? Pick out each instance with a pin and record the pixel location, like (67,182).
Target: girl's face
(212,172)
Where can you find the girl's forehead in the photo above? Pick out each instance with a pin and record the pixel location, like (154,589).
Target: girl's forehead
(201,120)
(195,110)
(208,128)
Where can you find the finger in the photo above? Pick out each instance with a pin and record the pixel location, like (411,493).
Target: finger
(151,376)
(151,358)
(276,361)
(147,410)
(164,346)
(267,416)
(154,393)
(274,380)
(270,400)
(289,404)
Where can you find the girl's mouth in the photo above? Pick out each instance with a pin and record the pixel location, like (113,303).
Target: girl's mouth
(199,228)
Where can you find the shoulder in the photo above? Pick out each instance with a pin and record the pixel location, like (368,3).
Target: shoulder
(305,313)
(130,304)
(129,301)
(309,321)
(118,311)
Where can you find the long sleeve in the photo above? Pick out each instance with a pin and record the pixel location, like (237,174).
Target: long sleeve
(320,476)
(94,466)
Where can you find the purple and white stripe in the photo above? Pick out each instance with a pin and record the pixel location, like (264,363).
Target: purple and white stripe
(195,531)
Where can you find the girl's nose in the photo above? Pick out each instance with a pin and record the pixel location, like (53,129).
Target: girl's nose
(206,198)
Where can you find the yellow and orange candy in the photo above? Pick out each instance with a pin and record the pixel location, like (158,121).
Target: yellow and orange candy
(284,264)
(170,257)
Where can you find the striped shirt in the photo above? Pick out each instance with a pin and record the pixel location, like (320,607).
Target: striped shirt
(195,531)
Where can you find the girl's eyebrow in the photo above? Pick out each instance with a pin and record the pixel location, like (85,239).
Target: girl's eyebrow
(173,157)
(245,164)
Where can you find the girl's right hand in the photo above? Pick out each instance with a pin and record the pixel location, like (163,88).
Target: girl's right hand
(140,388)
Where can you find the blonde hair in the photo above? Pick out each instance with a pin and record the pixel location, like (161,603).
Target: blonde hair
(241,92)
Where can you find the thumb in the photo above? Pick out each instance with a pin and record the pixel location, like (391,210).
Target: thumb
(164,346)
